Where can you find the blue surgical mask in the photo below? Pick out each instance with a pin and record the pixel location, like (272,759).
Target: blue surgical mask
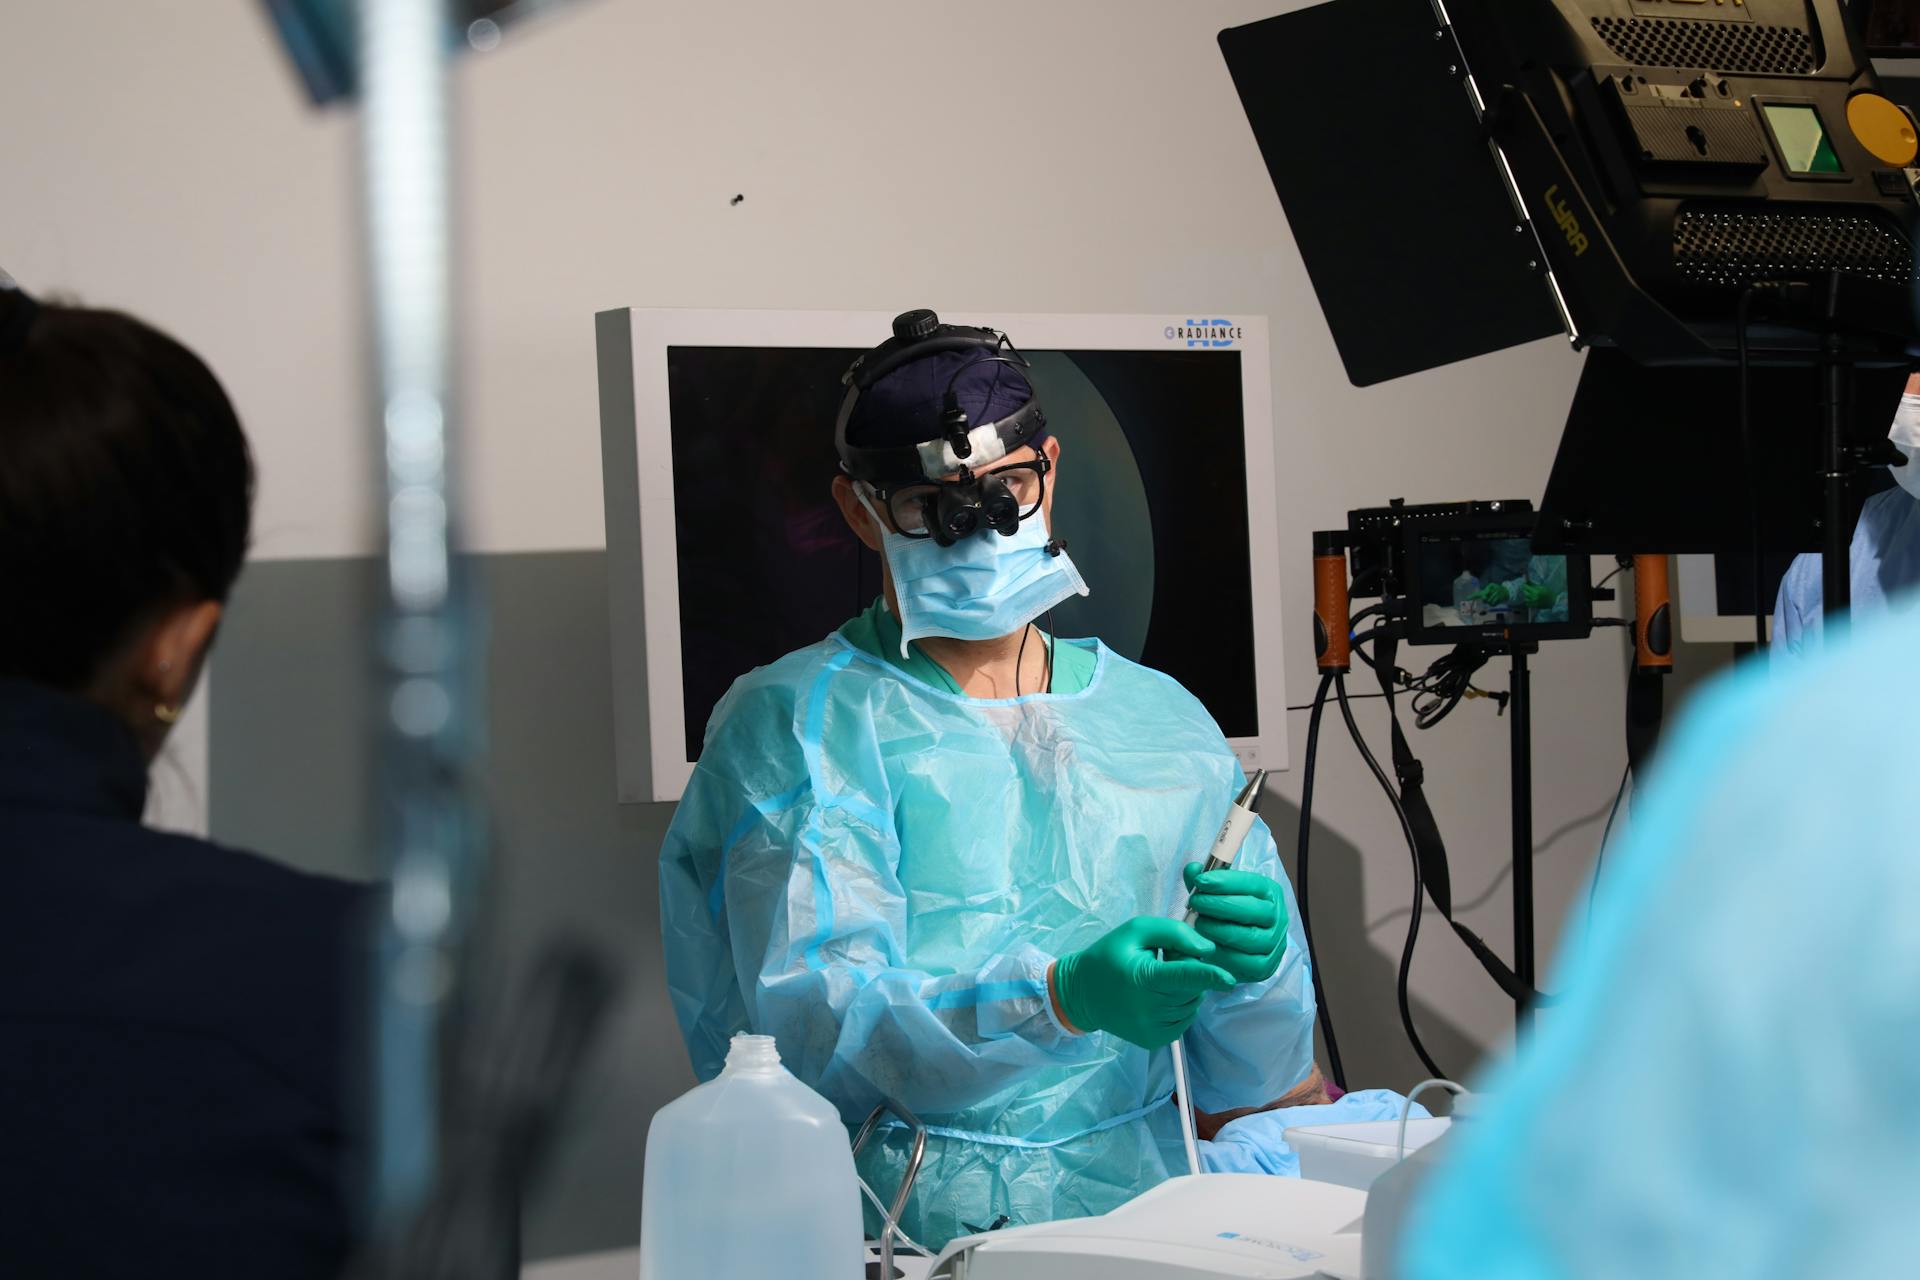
(1906,438)
(982,587)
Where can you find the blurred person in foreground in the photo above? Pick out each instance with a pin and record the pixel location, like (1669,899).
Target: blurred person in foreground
(171,1012)
(1753,967)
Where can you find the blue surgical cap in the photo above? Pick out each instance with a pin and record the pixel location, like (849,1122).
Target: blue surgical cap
(904,407)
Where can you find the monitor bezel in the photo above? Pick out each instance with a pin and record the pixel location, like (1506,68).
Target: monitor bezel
(1579,623)
(637,477)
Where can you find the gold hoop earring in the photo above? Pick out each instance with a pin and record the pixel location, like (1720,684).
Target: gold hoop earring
(166,714)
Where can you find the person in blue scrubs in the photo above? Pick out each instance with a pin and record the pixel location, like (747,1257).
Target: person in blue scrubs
(1728,1086)
(1885,555)
(934,853)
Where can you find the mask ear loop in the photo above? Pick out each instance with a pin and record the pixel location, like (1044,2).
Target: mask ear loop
(861,490)
(866,493)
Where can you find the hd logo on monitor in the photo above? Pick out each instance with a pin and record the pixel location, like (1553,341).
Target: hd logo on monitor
(1205,333)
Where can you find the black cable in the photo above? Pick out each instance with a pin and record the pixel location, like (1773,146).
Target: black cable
(1438,690)
(1308,706)
(1020,659)
(1419,886)
(1053,642)
(1357,645)
(1742,315)
(1446,682)
(1600,858)
(1300,885)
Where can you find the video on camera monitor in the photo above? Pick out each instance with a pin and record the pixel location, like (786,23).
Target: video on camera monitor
(1478,581)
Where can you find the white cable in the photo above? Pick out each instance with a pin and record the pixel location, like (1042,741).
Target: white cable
(1400,1152)
(888,1224)
(1183,1099)
(1186,1106)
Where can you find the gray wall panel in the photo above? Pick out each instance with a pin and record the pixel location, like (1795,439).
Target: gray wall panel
(290,774)
(290,715)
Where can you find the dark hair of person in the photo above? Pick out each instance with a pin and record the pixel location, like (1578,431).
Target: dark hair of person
(126,486)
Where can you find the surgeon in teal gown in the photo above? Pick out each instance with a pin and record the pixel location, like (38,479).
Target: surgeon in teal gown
(888,851)
(1732,1084)
(1539,593)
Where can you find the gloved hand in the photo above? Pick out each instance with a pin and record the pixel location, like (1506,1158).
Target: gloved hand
(1245,914)
(1492,593)
(1534,596)
(1120,985)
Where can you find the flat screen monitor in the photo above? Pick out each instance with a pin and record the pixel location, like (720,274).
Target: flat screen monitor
(1481,584)
(726,549)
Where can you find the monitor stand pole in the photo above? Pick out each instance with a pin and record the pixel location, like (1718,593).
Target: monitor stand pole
(1521,712)
(1836,530)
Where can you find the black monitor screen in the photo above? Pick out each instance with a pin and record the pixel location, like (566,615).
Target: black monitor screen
(1151,496)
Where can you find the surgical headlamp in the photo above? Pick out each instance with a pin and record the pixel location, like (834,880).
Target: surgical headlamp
(932,486)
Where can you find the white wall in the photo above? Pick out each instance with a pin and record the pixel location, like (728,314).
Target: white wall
(1007,155)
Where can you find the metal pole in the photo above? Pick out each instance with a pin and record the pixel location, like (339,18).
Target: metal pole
(429,723)
(1521,728)
(1836,529)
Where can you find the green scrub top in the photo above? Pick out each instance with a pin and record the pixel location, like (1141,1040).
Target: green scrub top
(876,631)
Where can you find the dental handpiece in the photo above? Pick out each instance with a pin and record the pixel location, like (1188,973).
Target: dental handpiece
(1233,832)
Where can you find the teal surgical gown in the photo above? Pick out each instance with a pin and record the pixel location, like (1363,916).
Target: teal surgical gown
(1732,1085)
(1542,571)
(1883,563)
(878,873)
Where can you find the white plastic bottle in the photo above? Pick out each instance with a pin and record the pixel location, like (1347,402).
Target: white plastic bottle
(750,1177)
(1465,598)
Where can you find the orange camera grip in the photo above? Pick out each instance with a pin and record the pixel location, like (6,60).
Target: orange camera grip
(1652,614)
(1332,628)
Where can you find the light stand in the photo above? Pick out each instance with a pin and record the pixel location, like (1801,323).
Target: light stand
(1520,746)
(1590,174)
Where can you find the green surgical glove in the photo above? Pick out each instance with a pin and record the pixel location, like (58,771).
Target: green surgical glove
(1120,985)
(1534,596)
(1492,593)
(1245,914)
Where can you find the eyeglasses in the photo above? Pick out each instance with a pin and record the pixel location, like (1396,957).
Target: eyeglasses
(949,510)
